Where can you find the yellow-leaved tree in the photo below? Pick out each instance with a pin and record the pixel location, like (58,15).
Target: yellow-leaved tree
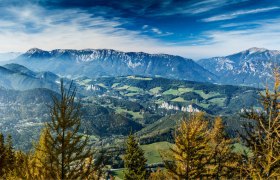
(191,152)
(224,162)
(262,136)
(62,151)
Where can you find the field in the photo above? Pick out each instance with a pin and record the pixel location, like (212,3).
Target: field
(152,151)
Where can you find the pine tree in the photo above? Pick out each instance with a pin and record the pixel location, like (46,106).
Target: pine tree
(223,163)
(191,153)
(62,151)
(263,137)
(134,160)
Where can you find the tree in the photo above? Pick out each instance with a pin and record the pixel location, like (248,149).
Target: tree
(62,151)
(134,160)
(224,162)
(262,137)
(7,156)
(41,160)
(20,170)
(2,155)
(191,153)
(10,154)
(159,174)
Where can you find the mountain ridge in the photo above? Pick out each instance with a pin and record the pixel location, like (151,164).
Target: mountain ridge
(253,67)
(107,62)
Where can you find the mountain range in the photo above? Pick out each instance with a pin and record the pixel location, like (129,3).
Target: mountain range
(134,91)
(18,77)
(252,67)
(98,63)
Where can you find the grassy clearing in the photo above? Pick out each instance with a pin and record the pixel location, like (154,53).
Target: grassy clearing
(102,85)
(178,91)
(204,105)
(218,101)
(131,94)
(152,151)
(155,90)
(179,99)
(206,96)
(139,78)
(115,85)
(171,92)
(135,89)
(130,88)
(125,87)
(183,90)
(136,115)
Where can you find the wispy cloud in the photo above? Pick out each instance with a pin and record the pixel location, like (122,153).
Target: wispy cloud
(238,13)
(194,7)
(156,31)
(32,25)
(73,28)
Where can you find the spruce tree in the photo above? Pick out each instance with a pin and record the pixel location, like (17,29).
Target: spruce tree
(262,137)
(134,160)
(191,153)
(62,151)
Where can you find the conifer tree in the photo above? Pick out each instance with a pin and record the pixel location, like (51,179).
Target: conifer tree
(223,163)
(191,153)
(40,160)
(62,151)
(20,169)
(2,155)
(158,175)
(10,154)
(134,160)
(7,156)
(263,137)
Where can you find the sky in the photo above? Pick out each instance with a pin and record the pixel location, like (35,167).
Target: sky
(189,28)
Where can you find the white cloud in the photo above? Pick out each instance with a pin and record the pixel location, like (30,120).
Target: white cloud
(145,26)
(83,31)
(156,30)
(238,13)
(195,7)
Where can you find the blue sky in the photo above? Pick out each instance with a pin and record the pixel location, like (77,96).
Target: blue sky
(190,28)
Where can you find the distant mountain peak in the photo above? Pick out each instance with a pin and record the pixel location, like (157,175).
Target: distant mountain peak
(256,50)
(34,50)
(250,67)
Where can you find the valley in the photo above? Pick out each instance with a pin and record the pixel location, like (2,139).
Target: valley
(147,102)
(113,106)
